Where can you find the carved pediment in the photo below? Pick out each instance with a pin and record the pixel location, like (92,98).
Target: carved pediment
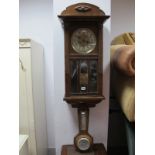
(83,10)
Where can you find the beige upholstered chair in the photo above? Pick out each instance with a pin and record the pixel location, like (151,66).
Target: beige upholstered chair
(123,82)
(123,73)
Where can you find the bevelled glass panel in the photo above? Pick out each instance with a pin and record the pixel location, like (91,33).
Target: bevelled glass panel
(93,76)
(83,76)
(74,76)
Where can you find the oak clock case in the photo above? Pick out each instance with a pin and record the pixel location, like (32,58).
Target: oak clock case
(83,39)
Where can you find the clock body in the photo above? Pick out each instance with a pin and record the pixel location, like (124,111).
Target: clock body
(83,38)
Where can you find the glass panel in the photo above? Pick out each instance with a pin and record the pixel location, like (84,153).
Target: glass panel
(93,76)
(74,76)
(83,76)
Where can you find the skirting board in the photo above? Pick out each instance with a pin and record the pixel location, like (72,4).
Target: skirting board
(51,151)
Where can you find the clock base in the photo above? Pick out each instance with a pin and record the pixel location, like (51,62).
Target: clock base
(98,149)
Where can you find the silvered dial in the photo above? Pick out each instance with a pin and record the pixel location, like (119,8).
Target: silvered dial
(83,40)
(83,144)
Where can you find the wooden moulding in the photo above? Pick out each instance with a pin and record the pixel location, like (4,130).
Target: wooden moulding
(83,11)
(83,101)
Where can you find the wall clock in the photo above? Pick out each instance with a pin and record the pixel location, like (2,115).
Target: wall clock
(83,33)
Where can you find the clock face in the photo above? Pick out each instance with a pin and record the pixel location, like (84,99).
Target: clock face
(83,40)
(83,144)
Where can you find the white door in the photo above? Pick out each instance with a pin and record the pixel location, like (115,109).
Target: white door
(26,107)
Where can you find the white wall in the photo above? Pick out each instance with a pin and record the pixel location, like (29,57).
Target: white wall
(38,23)
(122,17)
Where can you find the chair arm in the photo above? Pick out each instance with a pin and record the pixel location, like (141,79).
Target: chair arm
(123,58)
